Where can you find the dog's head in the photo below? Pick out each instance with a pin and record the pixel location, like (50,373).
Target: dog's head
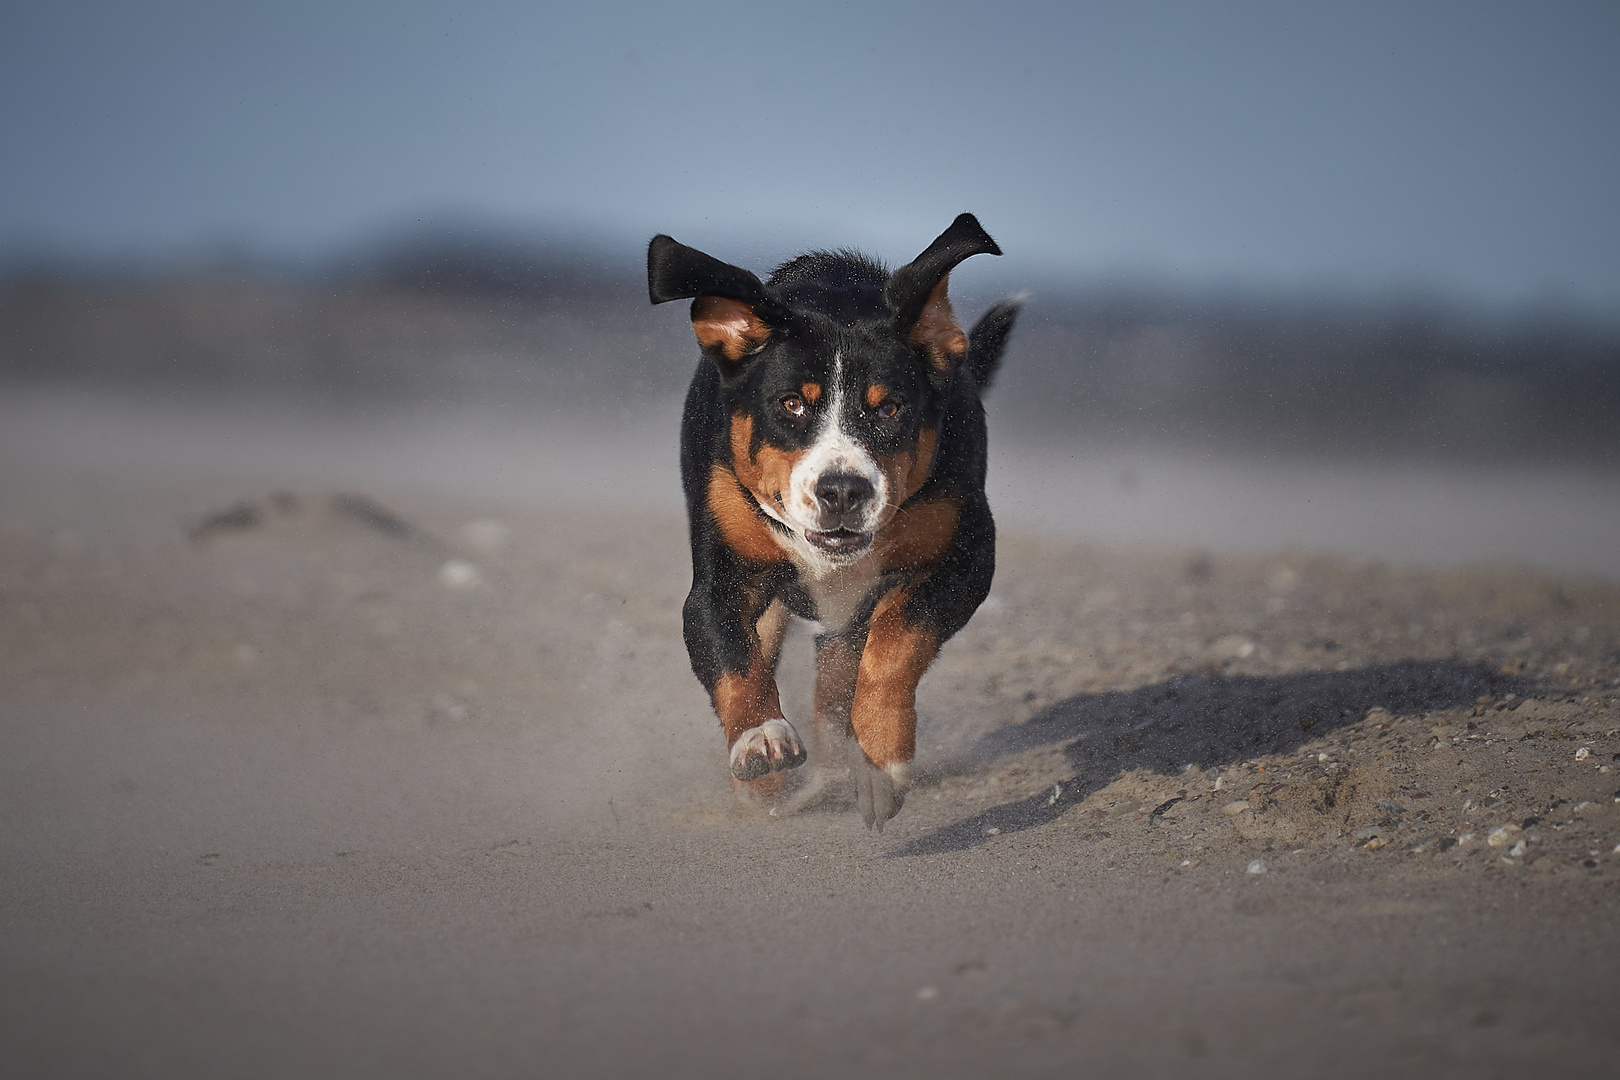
(835,374)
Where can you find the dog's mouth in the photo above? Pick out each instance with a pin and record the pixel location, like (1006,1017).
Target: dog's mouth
(844,542)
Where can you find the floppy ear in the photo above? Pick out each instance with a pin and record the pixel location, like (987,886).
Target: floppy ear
(729,305)
(916,292)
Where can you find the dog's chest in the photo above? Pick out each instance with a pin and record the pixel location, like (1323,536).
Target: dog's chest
(838,594)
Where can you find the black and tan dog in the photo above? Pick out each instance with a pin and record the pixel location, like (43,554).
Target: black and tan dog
(833,456)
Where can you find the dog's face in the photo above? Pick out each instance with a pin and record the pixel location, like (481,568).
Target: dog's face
(832,428)
(833,373)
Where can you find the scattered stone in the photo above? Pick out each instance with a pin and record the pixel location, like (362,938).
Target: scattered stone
(1501,835)
(1583,753)
(1258,867)
(1518,850)
(1233,809)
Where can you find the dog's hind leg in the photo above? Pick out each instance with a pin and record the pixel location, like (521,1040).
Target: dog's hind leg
(837,664)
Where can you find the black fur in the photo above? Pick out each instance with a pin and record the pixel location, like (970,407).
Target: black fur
(818,306)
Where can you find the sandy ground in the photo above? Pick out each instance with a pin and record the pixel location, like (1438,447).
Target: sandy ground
(334,754)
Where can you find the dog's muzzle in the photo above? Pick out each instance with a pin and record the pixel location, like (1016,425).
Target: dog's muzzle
(843,505)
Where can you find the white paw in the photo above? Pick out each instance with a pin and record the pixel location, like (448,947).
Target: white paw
(881,792)
(771,747)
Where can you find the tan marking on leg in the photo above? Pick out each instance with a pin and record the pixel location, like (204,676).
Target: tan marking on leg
(884,712)
(770,628)
(748,700)
(837,666)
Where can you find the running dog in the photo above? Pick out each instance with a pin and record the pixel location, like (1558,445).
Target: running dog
(833,458)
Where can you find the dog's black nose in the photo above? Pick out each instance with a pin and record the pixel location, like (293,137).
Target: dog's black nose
(843,493)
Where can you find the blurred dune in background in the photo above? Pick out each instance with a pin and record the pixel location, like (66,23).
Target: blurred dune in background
(469,319)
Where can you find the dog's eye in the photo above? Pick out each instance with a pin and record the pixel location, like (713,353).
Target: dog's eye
(887,410)
(794,404)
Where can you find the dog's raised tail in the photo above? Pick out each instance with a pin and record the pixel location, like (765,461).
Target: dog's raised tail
(988,339)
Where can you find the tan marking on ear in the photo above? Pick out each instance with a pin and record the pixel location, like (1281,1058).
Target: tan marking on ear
(918,535)
(936,330)
(875,395)
(811,392)
(739,519)
(729,326)
(766,473)
(884,712)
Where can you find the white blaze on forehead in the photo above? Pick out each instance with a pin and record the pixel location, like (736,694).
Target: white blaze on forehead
(832,452)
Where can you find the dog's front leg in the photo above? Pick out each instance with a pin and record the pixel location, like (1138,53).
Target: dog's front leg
(883,714)
(734,650)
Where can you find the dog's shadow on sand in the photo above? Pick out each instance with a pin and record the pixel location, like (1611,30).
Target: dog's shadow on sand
(1208,721)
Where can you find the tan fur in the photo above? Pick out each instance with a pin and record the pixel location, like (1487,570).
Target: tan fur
(836,668)
(728,325)
(766,473)
(884,712)
(917,536)
(739,519)
(748,700)
(937,332)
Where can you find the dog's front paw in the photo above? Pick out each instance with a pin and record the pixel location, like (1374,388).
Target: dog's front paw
(770,747)
(880,790)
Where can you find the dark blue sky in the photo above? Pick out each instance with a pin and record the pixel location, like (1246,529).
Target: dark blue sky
(1469,148)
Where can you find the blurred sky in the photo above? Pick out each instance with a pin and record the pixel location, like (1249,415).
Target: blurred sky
(1469,149)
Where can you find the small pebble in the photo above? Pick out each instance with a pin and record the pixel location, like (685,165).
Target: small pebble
(1233,809)
(1258,867)
(1517,850)
(1583,753)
